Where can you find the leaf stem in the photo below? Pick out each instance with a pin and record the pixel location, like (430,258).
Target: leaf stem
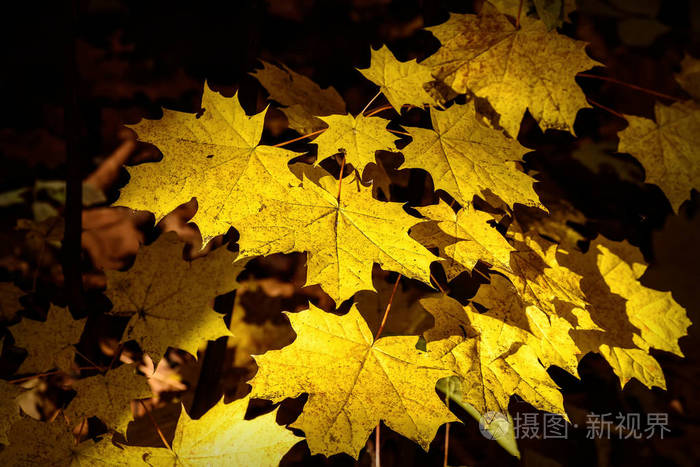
(370,102)
(377,462)
(340,182)
(388,307)
(628,85)
(155,424)
(379,109)
(437,284)
(517,20)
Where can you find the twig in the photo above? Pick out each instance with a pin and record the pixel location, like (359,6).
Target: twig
(155,424)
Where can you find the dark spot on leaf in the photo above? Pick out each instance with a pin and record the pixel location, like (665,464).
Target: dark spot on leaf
(210,156)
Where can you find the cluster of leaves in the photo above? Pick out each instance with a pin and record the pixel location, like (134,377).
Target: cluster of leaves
(544,304)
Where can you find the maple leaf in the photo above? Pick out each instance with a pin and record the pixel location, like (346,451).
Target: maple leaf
(400,82)
(108,397)
(304,99)
(220,437)
(9,301)
(490,356)
(541,280)
(689,77)
(215,158)
(353,382)
(547,334)
(9,409)
(626,318)
(168,297)
(528,68)
(465,158)
(49,344)
(343,237)
(476,239)
(32,443)
(667,148)
(357,138)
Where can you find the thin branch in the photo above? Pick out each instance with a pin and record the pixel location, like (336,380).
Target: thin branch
(631,86)
(155,424)
(597,104)
(388,307)
(48,373)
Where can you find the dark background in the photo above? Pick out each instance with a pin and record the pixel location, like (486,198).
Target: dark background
(132,58)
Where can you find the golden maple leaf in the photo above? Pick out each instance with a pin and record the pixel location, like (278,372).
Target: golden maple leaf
(32,442)
(626,319)
(215,158)
(220,437)
(475,238)
(465,158)
(168,297)
(108,397)
(49,344)
(353,382)
(547,334)
(400,82)
(305,101)
(343,237)
(667,148)
(528,68)
(490,356)
(357,138)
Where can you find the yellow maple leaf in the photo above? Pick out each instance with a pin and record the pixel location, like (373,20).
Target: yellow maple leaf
(353,382)
(215,158)
(220,437)
(629,318)
(32,443)
(400,82)
(168,298)
(476,239)
(667,148)
(304,99)
(540,279)
(49,344)
(9,301)
(357,138)
(343,237)
(108,397)
(466,158)
(528,68)
(547,334)
(490,356)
